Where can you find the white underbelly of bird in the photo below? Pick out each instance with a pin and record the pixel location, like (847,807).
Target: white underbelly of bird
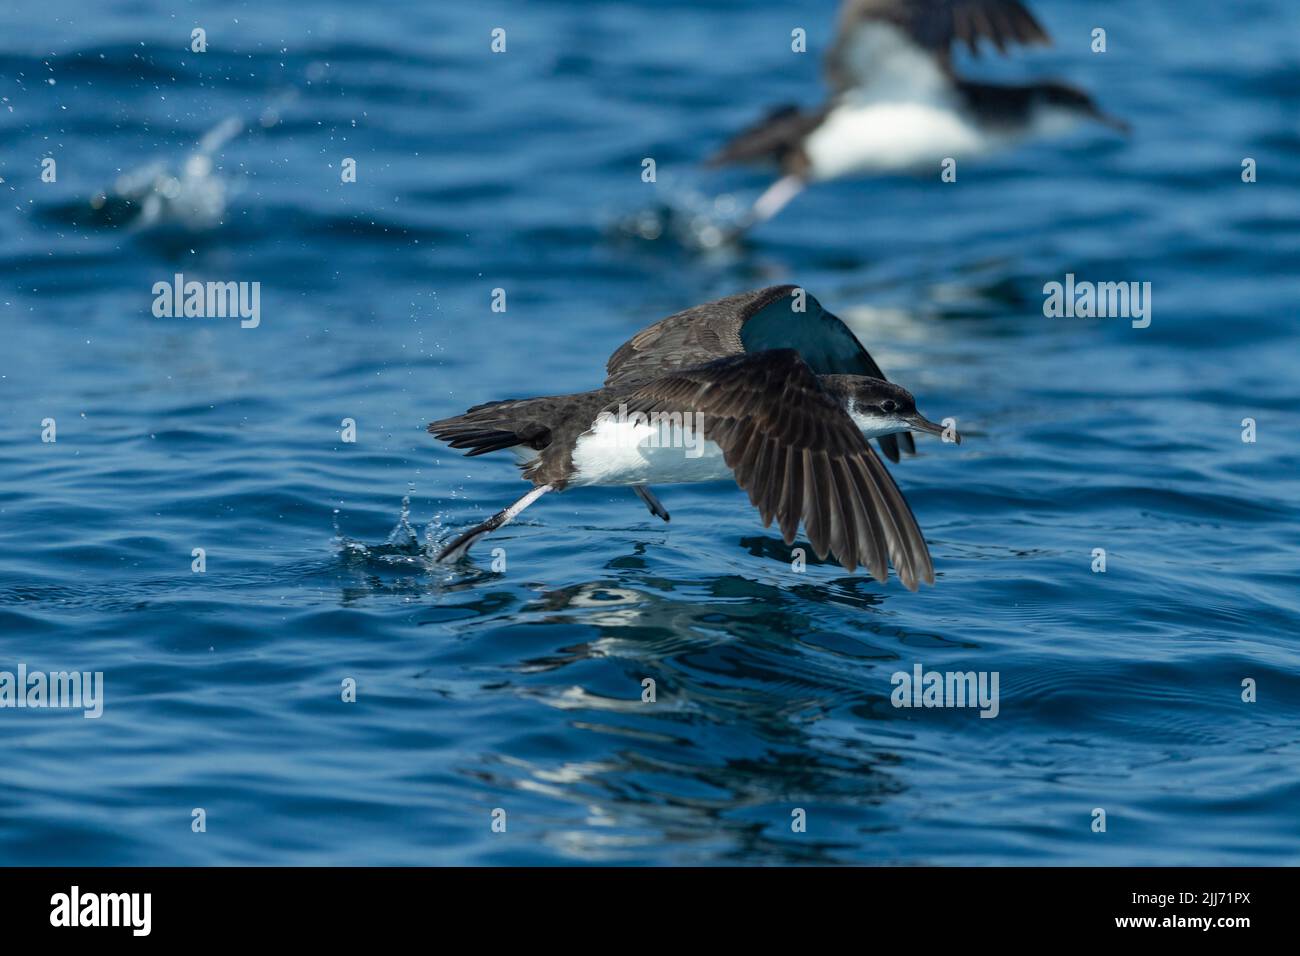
(619,452)
(858,138)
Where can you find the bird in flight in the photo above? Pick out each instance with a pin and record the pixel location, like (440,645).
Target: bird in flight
(898,105)
(765,387)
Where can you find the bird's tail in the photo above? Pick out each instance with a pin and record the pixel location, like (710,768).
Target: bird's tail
(492,427)
(774,137)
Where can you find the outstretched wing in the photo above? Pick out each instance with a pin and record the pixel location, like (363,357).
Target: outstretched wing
(800,457)
(778,317)
(877,38)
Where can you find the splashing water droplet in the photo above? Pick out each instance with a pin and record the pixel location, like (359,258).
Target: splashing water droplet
(403,535)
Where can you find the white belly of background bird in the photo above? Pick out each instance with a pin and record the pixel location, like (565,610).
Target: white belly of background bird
(858,138)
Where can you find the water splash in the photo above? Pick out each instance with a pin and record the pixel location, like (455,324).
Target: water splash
(689,218)
(192,199)
(404,547)
(403,536)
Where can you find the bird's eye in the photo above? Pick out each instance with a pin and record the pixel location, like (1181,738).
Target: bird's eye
(889,405)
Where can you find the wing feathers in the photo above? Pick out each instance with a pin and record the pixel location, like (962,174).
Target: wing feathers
(789,510)
(865,49)
(799,457)
(814,524)
(848,511)
(893,539)
(747,323)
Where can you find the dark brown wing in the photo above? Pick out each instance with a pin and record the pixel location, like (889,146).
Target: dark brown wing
(800,457)
(780,316)
(688,338)
(929,26)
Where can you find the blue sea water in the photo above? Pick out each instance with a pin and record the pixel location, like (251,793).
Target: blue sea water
(520,689)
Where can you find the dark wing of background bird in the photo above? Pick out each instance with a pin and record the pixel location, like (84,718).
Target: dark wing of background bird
(778,136)
(750,322)
(799,456)
(872,33)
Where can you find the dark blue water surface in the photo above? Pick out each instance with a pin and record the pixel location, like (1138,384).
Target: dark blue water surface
(520,689)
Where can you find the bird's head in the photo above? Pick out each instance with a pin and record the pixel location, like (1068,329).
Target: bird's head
(882,408)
